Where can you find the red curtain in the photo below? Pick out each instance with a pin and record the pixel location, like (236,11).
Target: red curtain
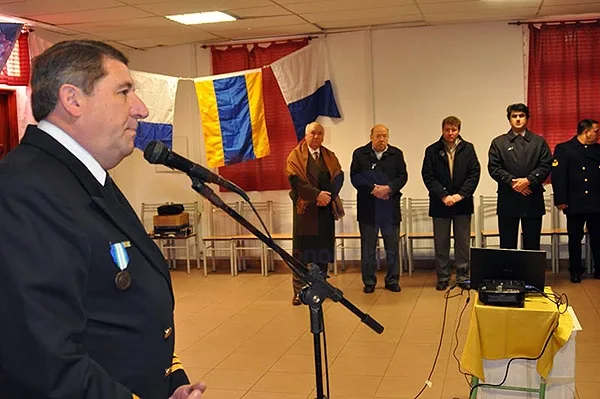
(17,68)
(265,173)
(564,77)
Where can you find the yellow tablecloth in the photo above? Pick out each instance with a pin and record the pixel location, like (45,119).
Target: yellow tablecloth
(502,333)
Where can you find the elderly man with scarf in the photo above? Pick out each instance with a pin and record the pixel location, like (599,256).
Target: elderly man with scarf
(315,177)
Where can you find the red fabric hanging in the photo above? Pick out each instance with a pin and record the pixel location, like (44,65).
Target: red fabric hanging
(564,76)
(265,173)
(17,69)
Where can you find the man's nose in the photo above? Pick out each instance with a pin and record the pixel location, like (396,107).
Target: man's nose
(138,108)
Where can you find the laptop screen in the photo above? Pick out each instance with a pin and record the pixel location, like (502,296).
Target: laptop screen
(508,264)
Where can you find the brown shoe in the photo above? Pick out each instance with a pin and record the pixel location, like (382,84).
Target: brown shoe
(296,300)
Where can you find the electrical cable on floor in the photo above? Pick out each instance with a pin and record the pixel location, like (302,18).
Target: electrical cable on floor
(447,296)
(466,375)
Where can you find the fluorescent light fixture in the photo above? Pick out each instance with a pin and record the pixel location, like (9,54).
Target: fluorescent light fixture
(208,17)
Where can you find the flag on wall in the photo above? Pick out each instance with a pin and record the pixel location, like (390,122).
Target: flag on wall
(303,77)
(9,33)
(158,93)
(233,117)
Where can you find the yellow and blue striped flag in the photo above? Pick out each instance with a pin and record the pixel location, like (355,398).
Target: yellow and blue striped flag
(233,117)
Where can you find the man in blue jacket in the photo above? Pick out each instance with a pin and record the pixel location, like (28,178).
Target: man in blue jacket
(378,172)
(451,174)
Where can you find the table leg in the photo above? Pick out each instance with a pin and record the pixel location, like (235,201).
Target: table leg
(474,381)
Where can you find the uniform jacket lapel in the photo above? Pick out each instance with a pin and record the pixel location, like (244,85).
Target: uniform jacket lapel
(119,213)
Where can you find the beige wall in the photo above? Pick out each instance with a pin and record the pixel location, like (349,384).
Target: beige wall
(409,79)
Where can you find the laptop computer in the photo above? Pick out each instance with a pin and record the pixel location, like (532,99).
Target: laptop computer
(508,264)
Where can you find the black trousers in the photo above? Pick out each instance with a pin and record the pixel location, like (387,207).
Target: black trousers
(575,232)
(509,232)
(368,243)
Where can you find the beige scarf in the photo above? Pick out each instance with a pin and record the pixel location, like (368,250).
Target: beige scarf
(296,166)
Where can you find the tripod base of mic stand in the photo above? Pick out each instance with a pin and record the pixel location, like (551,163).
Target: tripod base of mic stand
(311,296)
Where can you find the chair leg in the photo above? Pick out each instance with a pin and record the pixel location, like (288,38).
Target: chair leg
(232,259)
(214,266)
(197,253)
(204,260)
(410,256)
(400,256)
(187,255)
(555,253)
(343,252)
(335,268)
(405,255)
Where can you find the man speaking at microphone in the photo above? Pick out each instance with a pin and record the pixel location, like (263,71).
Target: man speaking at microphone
(87,303)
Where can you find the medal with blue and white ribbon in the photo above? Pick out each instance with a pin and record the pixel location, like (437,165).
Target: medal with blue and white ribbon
(121,259)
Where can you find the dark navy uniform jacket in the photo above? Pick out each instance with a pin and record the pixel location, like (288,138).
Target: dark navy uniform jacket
(515,156)
(576,176)
(66,330)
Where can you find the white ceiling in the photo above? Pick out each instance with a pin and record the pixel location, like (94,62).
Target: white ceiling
(141,23)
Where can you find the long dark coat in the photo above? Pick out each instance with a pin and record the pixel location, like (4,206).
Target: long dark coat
(314,233)
(509,159)
(464,180)
(366,171)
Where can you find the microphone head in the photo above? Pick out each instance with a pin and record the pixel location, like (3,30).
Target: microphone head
(156,152)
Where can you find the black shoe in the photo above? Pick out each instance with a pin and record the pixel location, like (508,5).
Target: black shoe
(575,278)
(394,287)
(296,300)
(369,289)
(442,285)
(596,274)
(464,285)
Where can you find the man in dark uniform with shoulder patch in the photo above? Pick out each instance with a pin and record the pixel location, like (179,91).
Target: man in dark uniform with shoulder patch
(576,185)
(519,161)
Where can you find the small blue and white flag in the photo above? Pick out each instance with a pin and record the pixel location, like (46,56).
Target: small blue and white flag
(158,93)
(303,77)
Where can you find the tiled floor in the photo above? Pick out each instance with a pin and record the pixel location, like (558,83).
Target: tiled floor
(242,336)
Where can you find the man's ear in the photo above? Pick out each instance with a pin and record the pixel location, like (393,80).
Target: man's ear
(71,98)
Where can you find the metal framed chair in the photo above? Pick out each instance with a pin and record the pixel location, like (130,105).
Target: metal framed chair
(221,230)
(245,241)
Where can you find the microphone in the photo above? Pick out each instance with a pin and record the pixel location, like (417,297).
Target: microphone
(158,153)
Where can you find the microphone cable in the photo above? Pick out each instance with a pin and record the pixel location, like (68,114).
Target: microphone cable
(460,316)
(428,382)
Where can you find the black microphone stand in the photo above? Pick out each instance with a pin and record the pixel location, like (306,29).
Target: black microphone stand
(313,295)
